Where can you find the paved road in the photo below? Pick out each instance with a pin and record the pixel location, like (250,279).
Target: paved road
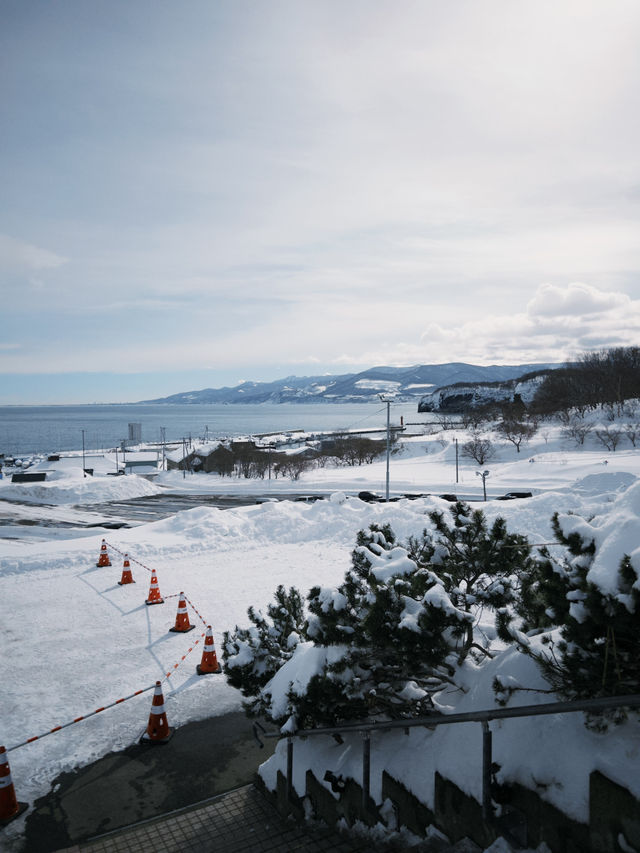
(16,515)
(143,781)
(154,507)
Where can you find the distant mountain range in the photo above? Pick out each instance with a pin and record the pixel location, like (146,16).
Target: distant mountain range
(407,383)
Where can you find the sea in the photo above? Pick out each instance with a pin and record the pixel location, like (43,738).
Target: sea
(27,430)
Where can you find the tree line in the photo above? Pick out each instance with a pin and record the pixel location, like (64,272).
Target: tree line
(246,459)
(607,378)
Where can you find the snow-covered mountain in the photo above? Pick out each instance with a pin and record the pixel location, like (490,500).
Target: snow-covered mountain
(407,383)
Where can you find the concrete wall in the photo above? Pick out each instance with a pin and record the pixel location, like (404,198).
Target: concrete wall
(526,819)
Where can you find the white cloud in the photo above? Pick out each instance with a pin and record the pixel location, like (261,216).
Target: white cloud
(575,300)
(559,323)
(17,256)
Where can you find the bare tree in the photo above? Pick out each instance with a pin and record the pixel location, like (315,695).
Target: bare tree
(292,466)
(517,432)
(610,412)
(474,417)
(610,437)
(632,431)
(577,429)
(478,448)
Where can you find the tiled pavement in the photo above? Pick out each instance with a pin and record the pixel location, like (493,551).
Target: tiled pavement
(241,821)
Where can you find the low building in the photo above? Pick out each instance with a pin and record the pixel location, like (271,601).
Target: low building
(141,462)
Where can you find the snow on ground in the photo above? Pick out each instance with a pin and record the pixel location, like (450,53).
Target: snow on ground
(74,640)
(67,485)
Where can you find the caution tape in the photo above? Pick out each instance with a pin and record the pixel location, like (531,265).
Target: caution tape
(191,605)
(79,719)
(174,595)
(131,559)
(176,665)
(199,615)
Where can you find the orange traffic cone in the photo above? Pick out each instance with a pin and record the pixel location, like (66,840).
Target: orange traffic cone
(103,558)
(127,577)
(182,617)
(154,590)
(158,730)
(10,808)
(209,662)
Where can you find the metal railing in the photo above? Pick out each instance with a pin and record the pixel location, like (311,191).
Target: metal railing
(484,717)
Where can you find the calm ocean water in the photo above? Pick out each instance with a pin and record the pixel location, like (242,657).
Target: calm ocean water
(47,429)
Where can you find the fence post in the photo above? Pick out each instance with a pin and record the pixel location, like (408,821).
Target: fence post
(289,768)
(366,769)
(487,811)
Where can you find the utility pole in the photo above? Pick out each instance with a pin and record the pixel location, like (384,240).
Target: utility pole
(456,460)
(163,438)
(84,473)
(387,400)
(184,458)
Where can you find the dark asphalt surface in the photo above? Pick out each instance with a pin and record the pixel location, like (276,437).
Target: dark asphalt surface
(201,760)
(134,511)
(155,507)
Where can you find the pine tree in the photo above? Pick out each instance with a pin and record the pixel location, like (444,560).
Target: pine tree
(480,566)
(390,621)
(591,637)
(252,656)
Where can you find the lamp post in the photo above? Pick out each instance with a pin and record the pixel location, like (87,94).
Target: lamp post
(388,400)
(84,473)
(484,475)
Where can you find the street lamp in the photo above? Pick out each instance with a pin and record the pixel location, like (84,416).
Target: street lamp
(484,475)
(84,473)
(388,399)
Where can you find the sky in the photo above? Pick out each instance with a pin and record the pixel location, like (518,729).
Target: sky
(200,193)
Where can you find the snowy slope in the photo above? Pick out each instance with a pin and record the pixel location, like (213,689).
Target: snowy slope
(75,641)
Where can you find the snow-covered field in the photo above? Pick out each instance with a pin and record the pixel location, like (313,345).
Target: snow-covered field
(74,640)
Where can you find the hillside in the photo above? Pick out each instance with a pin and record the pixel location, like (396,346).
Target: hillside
(465,395)
(407,383)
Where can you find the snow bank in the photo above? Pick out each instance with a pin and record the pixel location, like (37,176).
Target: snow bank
(73,488)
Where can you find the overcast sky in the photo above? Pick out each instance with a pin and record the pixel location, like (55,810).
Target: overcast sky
(200,192)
